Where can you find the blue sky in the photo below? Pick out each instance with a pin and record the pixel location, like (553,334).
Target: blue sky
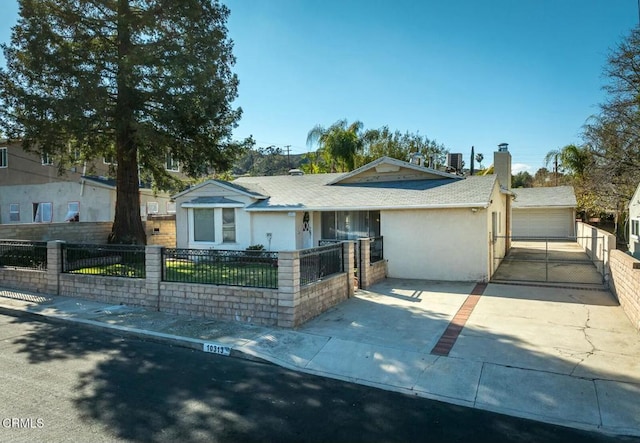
(462,72)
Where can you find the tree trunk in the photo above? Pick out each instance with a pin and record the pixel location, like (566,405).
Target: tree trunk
(127,224)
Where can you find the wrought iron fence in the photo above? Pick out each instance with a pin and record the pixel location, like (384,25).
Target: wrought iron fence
(376,252)
(23,254)
(320,262)
(104,260)
(257,269)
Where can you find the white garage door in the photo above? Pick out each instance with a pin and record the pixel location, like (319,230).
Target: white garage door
(542,223)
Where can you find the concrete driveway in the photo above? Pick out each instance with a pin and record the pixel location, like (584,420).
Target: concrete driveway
(548,261)
(562,355)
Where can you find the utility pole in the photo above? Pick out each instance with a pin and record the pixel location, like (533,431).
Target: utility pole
(556,165)
(289,158)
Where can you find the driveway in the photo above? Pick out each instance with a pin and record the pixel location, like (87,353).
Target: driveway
(548,261)
(562,355)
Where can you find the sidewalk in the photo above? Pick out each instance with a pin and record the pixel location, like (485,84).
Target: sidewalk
(389,345)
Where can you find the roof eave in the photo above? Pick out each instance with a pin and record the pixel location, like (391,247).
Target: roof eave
(483,205)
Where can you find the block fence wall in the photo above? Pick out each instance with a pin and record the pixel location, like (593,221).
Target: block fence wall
(369,273)
(598,244)
(625,284)
(288,306)
(160,231)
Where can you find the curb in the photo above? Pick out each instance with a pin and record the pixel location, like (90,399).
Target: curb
(142,334)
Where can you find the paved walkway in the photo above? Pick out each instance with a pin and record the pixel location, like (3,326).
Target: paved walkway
(560,355)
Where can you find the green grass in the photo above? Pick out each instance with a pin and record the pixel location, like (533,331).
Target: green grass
(136,270)
(233,274)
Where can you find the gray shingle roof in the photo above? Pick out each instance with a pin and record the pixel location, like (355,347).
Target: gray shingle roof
(558,196)
(313,192)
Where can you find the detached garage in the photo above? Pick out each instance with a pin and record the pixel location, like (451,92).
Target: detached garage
(544,212)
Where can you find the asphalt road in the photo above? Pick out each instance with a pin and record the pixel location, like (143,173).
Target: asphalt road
(60,382)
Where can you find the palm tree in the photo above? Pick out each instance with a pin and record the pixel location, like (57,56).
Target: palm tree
(339,143)
(572,160)
(479,158)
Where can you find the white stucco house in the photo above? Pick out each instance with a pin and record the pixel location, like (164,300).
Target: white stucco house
(435,225)
(634,224)
(544,212)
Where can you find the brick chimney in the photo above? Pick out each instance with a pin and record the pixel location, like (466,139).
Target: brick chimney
(502,165)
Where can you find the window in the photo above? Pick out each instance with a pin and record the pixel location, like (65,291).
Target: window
(42,212)
(3,158)
(47,160)
(171,163)
(349,225)
(228,225)
(14,212)
(203,227)
(635,227)
(171,207)
(152,207)
(73,212)
(109,160)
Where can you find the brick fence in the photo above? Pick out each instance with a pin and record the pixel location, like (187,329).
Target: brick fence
(160,231)
(370,273)
(288,306)
(625,284)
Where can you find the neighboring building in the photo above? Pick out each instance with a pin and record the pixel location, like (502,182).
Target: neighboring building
(33,192)
(634,224)
(544,212)
(435,225)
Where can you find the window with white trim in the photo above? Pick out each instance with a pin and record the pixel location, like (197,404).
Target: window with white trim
(4,158)
(203,225)
(73,212)
(14,212)
(171,163)
(171,207)
(152,208)
(43,212)
(635,227)
(47,159)
(228,225)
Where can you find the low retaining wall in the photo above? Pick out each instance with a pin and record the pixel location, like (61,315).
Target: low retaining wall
(625,284)
(112,290)
(319,297)
(25,279)
(230,303)
(288,306)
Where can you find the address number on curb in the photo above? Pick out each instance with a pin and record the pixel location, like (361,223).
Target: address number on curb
(215,348)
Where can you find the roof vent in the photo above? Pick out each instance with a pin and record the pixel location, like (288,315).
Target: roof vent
(417,159)
(295,172)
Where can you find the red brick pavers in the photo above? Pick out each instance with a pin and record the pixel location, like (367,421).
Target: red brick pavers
(450,335)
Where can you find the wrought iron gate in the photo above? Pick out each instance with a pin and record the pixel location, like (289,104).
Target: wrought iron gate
(578,260)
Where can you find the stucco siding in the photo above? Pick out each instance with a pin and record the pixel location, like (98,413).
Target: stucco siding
(280,225)
(244,237)
(436,244)
(96,203)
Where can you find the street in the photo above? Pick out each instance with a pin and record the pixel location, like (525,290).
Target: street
(61,382)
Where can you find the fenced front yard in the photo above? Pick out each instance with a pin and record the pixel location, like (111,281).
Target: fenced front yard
(283,288)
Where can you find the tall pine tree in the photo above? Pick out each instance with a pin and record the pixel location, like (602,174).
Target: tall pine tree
(139,78)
